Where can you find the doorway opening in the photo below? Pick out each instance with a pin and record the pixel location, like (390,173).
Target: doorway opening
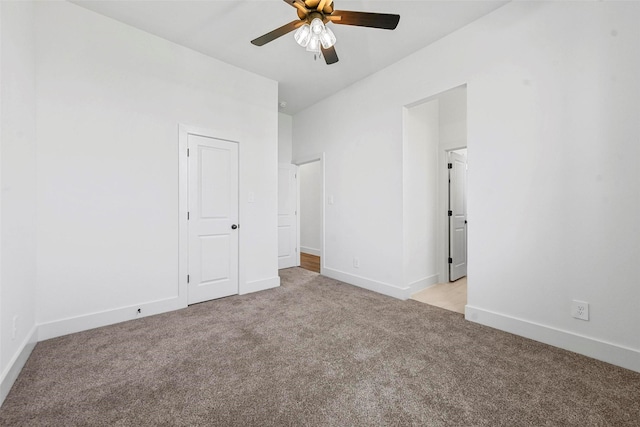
(311,212)
(443,120)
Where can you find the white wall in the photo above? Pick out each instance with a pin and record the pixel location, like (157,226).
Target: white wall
(310,178)
(420,187)
(453,118)
(365,219)
(110,99)
(553,102)
(17,198)
(285,138)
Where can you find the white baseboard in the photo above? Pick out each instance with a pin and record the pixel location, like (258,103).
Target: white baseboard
(310,251)
(372,285)
(607,352)
(260,285)
(423,283)
(85,322)
(17,362)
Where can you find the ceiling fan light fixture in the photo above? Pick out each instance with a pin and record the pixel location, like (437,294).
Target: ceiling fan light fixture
(317,26)
(303,35)
(312,33)
(327,38)
(314,44)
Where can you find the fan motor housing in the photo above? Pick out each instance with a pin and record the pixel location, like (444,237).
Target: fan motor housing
(312,5)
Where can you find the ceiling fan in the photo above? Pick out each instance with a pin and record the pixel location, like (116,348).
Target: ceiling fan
(312,32)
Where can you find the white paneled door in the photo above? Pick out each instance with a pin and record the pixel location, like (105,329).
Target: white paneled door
(457,216)
(288,254)
(213,218)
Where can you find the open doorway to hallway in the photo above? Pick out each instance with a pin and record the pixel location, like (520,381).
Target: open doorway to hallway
(440,124)
(310,214)
(301,213)
(452,294)
(310,208)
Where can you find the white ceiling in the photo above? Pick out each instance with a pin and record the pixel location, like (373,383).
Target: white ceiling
(223,30)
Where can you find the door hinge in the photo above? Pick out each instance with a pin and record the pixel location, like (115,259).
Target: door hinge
(449,165)
(450,260)
(187,216)
(450,213)
(187,278)
(187,152)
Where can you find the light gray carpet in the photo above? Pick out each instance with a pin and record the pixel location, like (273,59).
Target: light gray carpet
(314,352)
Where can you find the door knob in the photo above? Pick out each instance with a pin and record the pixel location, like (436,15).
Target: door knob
(234,226)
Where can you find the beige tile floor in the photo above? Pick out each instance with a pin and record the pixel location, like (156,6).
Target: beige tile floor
(450,296)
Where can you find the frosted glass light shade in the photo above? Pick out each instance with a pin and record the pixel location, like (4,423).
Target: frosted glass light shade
(314,35)
(303,35)
(327,38)
(314,44)
(317,26)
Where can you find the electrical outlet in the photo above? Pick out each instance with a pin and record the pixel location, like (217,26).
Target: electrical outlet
(356,262)
(580,310)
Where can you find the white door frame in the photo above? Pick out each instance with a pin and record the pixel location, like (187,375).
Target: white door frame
(183,192)
(303,160)
(295,192)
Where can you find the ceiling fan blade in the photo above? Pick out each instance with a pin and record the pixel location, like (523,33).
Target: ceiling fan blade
(330,55)
(298,4)
(385,21)
(278,32)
